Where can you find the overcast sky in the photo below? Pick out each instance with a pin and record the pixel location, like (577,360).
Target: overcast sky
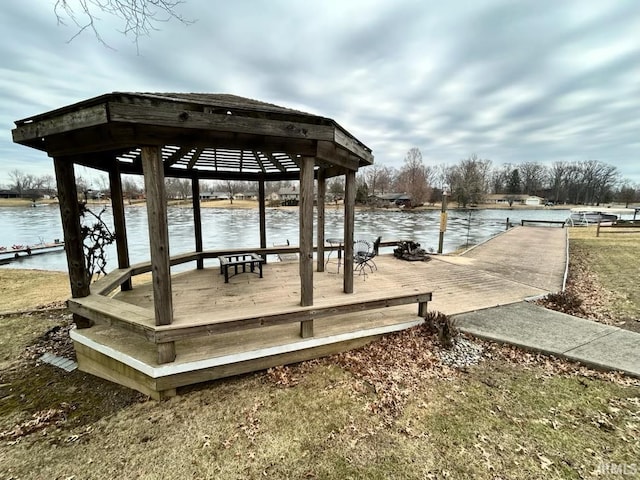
(511,81)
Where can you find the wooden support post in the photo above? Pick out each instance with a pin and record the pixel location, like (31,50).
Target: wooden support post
(349,221)
(598,229)
(70,215)
(165,394)
(262,209)
(197,218)
(306,238)
(166,352)
(306,329)
(422,309)
(152,168)
(117,207)
(320,220)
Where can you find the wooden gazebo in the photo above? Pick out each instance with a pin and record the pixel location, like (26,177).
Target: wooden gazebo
(193,136)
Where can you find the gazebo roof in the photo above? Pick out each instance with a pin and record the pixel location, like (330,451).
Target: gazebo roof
(215,136)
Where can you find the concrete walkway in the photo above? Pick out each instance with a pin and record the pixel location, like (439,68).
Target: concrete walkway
(535,328)
(541,263)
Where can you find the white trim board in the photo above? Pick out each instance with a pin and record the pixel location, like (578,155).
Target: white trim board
(173,368)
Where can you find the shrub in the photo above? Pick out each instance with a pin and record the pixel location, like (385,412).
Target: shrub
(442,325)
(566,302)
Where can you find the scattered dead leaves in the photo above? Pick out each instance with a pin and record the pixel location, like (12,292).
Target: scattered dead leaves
(39,421)
(284,376)
(55,341)
(394,367)
(584,296)
(251,425)
(553,366)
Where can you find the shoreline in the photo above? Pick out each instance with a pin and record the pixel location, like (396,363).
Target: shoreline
(253,204)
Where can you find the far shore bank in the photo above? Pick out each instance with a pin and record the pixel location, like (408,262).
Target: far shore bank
(253,204)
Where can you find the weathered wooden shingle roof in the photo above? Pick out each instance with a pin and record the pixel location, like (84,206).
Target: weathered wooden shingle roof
(201,134)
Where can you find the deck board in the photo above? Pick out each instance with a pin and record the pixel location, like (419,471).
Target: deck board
(457,287)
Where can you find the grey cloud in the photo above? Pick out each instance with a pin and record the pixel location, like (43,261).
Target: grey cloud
(511,81)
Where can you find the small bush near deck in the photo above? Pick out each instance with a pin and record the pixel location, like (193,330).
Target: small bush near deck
(442,325)
(566,302)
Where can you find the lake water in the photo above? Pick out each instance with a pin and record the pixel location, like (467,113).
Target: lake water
(229,228)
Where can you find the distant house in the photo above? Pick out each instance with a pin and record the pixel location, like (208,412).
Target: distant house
(36,193)
(514,199)
(9,194)
(532,200)
(391,199)
(245,196)
(289,195)
(214,195)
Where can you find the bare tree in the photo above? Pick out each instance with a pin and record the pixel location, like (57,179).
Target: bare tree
(231,187)
(130,187)
(414,177)
(599,180)
(177,188)
(500,178)
(379,178)
(335,188)
(557,180)
(442,176)
(534,175)
(82,186)
(22,182)
(275,186)
(386,178)
(370,176)
(138,17)
(48,183)
(469,180)
(628,193)
(102,181)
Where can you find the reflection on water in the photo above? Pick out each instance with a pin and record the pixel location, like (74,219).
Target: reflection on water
(227,228)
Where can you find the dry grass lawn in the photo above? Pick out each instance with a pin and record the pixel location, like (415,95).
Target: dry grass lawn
(613,259)
(31,289)
(389,410)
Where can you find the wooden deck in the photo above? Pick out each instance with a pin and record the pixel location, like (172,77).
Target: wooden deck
(224,329)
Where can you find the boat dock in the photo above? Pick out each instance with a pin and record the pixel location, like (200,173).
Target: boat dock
(15,252)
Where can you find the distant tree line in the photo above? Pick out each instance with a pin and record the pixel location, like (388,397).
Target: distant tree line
(470,180)
(27,185)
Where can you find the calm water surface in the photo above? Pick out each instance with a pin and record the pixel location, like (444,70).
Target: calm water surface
(227,228)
